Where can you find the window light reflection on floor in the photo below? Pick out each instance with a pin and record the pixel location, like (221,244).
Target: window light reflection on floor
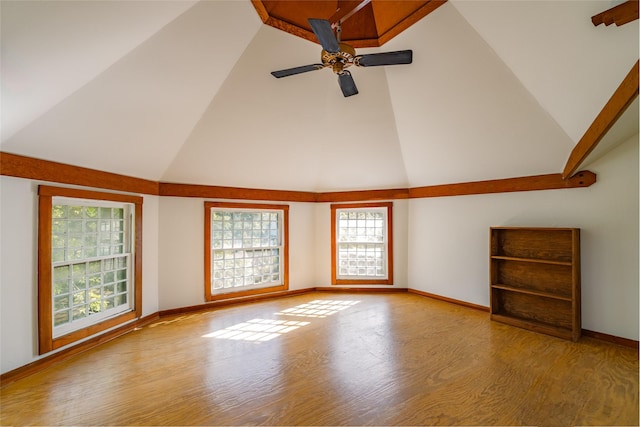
(257,330)
(260,330)
(318,308)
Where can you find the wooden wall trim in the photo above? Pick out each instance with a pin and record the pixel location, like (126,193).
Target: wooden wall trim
(232,301)
(46,341)
(507,185)
(261,10)
(619,15)
(40,364)
(449,300)
(30,168)
(362,195)
(218,192)
(624,96)
(625,342)
(361,289)
(45,170)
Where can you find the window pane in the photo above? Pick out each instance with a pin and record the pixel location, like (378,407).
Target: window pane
(237,242)
(75,211)
(59,211)
(90,212)
(361,238)
(81,284)
(79,298)
(60,318)
(61,302)
(105,212)
(79,313)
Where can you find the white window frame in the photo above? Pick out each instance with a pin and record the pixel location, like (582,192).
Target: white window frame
(339,243)
(237,263)
(128,253)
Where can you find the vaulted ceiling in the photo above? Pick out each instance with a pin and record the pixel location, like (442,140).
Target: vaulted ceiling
(181,91)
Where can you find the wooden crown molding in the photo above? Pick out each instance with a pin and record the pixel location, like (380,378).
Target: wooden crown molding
(619,15)
(236,193)
(44,170)
(621,99)
(508,185)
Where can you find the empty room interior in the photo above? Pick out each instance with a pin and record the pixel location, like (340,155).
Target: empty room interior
(279,212)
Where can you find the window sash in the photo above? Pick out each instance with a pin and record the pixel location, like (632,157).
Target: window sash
(84,305)
(80,240)
(361,243)
(247,249)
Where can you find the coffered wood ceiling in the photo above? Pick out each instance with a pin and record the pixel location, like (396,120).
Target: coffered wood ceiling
(365,23)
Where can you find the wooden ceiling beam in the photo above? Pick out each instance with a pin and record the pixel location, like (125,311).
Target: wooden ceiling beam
(619,15)
(624,95)
(346,9)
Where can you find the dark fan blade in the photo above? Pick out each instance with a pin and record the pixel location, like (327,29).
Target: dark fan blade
(296,70)
(385,58)
(347,84)
(324,33)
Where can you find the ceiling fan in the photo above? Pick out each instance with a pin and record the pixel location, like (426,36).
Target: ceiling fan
(339,56)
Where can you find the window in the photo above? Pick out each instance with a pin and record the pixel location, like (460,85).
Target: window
(361,244)
(246,249)
(89,274)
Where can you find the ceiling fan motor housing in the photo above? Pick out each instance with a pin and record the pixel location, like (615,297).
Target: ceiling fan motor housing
(338,60)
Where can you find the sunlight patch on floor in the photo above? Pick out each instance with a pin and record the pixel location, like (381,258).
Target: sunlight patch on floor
(258,330)
(318,308)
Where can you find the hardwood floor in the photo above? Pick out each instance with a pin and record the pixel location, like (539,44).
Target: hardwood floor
(369,359)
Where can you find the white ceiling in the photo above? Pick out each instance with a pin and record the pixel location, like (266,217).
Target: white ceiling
(180,91)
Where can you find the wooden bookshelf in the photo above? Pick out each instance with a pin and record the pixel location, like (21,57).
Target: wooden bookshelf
(535,279)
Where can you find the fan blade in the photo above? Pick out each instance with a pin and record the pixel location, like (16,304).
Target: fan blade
(324,33)
(347,84)
(296,70)
(385,58)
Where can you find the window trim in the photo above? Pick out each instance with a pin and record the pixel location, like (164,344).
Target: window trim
(334,244)
(208,294)
(46,341)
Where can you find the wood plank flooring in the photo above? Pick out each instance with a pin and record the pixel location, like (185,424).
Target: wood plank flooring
(333,359)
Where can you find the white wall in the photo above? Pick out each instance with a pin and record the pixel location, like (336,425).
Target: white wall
(181,257)
(441,246)
(18,269)
(449,240)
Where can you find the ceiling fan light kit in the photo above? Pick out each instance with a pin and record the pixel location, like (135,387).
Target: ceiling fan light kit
(339,56)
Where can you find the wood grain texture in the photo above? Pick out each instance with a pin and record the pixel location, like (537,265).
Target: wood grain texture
(45,299)
(535,279)
(30,168)
(364,23)
(507,185)
(361,196)
(621,14)
(49,360)
(392,359)
(624,95)
(45,170)
(449,300)
(218,192)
